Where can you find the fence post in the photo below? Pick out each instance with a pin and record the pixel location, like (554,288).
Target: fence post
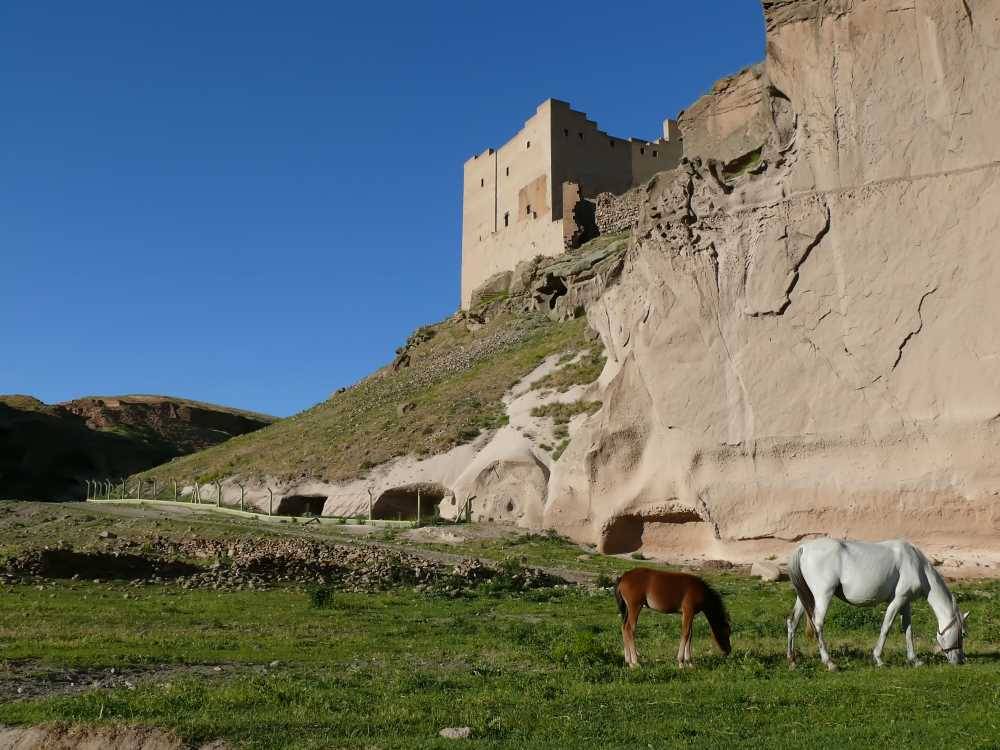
(175,488)
(270,501)
(369,505)
(123,489)
(138,489)
(242,494)
(418,506)
(218,497)
(88,489)
(197,493)
(154,489)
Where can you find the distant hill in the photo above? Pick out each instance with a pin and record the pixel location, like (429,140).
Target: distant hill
(48,450)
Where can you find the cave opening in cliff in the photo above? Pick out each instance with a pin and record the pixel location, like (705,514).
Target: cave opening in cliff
(629,533)
(301,505)
(401,503)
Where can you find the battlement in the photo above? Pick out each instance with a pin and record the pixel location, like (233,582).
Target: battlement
(513,197)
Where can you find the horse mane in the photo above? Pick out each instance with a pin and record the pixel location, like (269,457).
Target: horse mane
(718,618)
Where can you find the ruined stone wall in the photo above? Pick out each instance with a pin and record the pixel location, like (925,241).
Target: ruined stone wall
(617,213)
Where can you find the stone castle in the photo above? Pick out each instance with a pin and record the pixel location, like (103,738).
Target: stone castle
(524,199)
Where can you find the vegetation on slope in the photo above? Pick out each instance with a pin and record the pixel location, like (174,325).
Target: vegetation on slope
(574,371)
(444,389)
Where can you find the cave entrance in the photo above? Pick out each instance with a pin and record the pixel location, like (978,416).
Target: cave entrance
(410,503)
(629,533)
(301,505)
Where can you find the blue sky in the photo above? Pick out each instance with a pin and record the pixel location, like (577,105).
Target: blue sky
(253,203)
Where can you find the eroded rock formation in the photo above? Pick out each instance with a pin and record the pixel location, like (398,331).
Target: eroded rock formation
(803,338)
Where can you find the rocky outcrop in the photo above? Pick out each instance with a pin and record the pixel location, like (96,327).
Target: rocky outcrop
(48,451)
(805,343)
(560,287)
(733,119)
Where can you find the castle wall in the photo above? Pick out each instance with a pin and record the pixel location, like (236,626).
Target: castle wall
(517,191)
(525,160)
(507,204)
(479,199)
(650,158)
(502,251)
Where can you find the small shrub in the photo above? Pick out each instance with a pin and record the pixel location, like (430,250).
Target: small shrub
(586,370)
(637,556)
(605,581)
(321,597)
(560,449)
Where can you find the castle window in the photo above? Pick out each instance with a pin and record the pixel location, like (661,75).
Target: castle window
(508,171)
(506,219)
(581,136)
(482,182)
(642,150)
(528,211)
(654,154)
(612,144)
(529,145)
(566,132)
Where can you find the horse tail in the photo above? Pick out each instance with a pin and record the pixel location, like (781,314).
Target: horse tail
(802,589)
(718,619)
(622,608)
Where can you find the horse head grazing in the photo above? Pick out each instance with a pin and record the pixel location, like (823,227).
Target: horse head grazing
(721,634)
(951,638)
(718,620)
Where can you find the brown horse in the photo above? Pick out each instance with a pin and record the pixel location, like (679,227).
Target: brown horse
(670,592)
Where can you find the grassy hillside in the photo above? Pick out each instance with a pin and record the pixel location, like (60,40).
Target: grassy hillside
(444,389)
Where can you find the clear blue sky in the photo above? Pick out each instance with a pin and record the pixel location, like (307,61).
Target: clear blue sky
(253,203)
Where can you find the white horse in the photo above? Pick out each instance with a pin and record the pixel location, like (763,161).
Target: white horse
(864,573)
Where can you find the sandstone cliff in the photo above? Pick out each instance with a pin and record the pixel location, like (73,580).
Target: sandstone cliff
(804,336)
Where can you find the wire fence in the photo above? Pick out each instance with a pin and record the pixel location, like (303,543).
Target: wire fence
(213,495)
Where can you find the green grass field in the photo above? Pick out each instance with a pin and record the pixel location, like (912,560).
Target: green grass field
(542,669)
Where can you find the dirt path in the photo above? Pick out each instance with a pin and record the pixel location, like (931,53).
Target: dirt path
(31,679)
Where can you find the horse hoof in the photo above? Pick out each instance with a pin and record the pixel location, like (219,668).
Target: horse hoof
(916,663)
(832,667)
(792,664)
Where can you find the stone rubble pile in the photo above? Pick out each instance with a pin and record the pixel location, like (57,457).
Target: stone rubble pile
(254,563)
(614,214)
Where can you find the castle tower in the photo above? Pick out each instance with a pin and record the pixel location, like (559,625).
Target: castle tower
(512,201)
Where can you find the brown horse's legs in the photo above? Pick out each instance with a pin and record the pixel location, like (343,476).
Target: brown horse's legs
(627,643)
(628,633)
(684,649)
(690,638)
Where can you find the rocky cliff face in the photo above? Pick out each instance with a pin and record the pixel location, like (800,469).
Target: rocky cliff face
(804,335)
(47,451)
